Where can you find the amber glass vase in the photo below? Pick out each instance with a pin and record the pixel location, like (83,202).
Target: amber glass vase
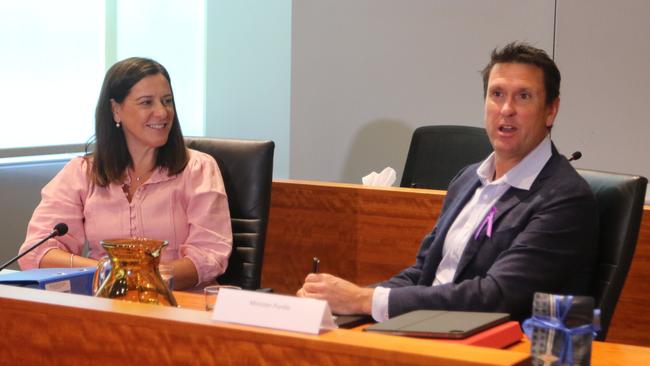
(130,272)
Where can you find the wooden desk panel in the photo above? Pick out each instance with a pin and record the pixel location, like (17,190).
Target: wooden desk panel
(606,353)
(367,234)
(603,353)
(41,327)
(361,234)
(631,321)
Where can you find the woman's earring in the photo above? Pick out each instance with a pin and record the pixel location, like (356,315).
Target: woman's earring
(117,124)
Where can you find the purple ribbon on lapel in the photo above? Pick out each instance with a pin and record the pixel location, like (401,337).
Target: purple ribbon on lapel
(487,222)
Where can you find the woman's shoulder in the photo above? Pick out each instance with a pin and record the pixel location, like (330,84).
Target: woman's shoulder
(75,174)
(78,165)
(201,162)
(202,169)
(200,158)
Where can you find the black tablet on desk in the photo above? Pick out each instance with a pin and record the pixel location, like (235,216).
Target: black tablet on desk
(351,321)
(439,324)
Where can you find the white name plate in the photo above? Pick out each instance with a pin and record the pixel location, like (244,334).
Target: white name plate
(283,312)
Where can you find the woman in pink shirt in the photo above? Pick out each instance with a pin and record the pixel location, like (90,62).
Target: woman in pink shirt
(140,181)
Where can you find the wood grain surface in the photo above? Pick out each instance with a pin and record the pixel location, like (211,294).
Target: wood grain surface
(47,328)
(606,353)
(603,353)
(367,234)
(361,234)
(631,321)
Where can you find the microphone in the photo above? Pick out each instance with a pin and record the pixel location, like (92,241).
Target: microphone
(60,229)
(575,156)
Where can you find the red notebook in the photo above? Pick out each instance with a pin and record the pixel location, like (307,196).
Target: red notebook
(499,336)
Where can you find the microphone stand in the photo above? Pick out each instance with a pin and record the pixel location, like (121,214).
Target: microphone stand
(56,232)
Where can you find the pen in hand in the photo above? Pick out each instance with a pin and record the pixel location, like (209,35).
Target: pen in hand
(315,262)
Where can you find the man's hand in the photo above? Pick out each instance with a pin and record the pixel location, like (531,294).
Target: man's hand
(343,296)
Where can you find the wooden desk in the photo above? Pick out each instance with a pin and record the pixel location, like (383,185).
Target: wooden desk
(368,234)
(603,353)
(606,353)
(39,327)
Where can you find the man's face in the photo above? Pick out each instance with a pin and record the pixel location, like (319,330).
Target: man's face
(516,114)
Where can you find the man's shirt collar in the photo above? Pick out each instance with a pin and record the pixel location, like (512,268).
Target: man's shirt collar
(521,175)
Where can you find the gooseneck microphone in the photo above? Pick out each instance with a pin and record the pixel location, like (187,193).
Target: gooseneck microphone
(575,156)
(60,229)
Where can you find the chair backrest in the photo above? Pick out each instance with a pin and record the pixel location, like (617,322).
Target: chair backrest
(247,170)
(620,206)
(438,153)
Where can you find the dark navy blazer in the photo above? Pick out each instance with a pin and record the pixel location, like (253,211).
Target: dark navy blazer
(543,239)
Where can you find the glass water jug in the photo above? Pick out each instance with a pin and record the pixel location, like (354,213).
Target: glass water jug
(130,272)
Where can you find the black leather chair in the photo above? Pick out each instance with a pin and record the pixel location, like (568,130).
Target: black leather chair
(437,153)
(620,206)
(247,170)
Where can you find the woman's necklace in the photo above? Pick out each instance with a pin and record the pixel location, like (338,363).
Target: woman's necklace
(142,177)
(135,182)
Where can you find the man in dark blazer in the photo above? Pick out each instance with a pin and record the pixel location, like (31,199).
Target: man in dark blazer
(521,221)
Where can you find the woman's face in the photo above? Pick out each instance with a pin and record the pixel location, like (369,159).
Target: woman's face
(147,112)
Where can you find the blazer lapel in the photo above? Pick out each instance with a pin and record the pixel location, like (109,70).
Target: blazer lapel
(456,207)
(442,226)
(510,199)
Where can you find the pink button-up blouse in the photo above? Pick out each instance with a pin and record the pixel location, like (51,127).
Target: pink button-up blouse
(189,210)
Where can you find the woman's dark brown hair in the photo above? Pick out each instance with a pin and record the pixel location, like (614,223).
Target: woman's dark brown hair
(111,157)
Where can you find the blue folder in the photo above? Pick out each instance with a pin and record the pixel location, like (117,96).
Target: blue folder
(73,280)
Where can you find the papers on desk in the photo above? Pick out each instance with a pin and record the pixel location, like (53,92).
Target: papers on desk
(274,311)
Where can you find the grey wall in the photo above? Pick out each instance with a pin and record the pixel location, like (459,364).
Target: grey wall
(603,51)
(365,73)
